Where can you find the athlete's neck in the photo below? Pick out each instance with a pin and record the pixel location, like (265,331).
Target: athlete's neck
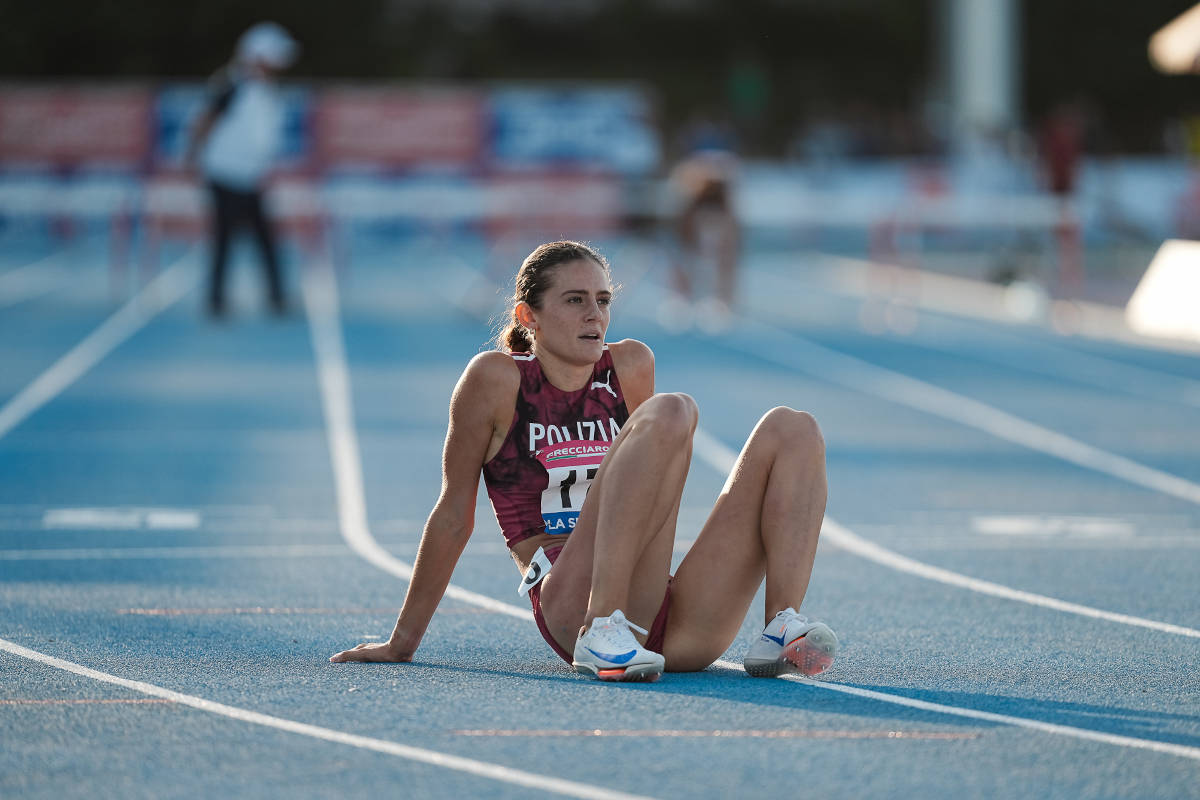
(562,374)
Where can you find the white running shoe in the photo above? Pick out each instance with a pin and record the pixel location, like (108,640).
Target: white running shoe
(608,651)
(791,643)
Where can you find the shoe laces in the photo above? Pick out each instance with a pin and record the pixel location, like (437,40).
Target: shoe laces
(790,615)
(616,628)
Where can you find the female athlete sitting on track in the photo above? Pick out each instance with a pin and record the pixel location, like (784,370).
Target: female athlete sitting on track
(560,416)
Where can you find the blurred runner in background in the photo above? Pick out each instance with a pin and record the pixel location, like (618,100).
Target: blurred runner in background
(708,237)
(1061,140)
(236,140)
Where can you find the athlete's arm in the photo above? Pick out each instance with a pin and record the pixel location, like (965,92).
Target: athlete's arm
(634,363)
(487,387)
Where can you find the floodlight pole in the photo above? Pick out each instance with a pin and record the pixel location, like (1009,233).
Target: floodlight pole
(983,63)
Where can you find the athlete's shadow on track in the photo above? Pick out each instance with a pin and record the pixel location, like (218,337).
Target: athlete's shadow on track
(729,685)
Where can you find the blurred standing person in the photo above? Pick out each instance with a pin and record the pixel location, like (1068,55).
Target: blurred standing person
(235,142)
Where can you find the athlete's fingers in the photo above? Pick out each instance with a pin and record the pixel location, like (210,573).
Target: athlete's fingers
(367,651)
(352,654)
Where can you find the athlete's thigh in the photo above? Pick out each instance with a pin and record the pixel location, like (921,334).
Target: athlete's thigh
(720,575)
(566,590)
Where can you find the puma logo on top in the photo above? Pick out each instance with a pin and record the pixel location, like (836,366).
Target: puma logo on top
(605,385)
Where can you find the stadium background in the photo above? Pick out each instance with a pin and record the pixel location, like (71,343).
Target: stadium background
(813,56)
(195,513)
(477,113)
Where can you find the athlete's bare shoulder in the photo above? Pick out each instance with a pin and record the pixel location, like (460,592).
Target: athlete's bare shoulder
(634,362)
(491,372)
(632,354)
(484,400)
(493,364)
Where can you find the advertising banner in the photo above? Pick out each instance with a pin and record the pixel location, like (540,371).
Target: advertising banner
(69,126)
(602,129)
(398,127)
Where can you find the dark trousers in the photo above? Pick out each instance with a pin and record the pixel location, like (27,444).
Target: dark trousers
(231,210)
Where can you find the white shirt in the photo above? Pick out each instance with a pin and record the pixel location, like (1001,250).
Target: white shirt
(246,137)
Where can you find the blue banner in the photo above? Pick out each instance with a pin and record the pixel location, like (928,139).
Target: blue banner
(581,128)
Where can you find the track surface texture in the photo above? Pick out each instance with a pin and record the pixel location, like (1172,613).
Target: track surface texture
(176,559)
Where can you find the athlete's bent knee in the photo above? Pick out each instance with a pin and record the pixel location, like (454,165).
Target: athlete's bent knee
(796,430)
(672,416)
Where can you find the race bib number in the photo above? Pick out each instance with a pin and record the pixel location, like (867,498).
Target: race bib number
(571,467)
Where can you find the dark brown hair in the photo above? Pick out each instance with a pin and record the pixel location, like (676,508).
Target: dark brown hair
(533,278)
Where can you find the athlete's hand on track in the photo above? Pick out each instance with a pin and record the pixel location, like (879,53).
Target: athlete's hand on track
(372,651)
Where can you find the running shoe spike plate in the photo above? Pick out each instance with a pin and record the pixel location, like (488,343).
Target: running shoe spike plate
(791,643)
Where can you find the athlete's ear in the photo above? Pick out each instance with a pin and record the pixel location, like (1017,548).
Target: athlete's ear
(525,315)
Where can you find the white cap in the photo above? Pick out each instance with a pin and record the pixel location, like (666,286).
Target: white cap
(269,43)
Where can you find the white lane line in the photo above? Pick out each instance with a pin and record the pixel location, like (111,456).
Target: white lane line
(1077,365)
(175,525)
(31,280)
(1085,368)
(956,542)
(1051,525)
(1181,750)
(946,293)
(216,551)
(121,518)
(483,769)
(706,442)
(322,306)
(85,702)
(853,373)
(254,610)
(155,297)
(873,552)
(721,458)
(709,733)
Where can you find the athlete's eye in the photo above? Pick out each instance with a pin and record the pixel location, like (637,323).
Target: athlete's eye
(604,301)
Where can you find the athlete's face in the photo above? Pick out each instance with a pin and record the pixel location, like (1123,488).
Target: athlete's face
(573,318)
